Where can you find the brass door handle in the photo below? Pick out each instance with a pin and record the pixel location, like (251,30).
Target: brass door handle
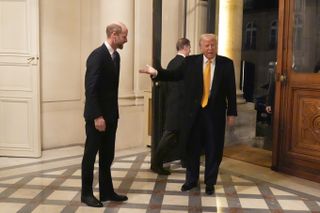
(283,78)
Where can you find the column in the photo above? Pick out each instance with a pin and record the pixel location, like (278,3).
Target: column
(230,36)
(172,28)
(196,22)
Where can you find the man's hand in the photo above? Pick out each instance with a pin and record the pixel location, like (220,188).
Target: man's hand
(149,70)
(100,124)
(231,120)
(268,109)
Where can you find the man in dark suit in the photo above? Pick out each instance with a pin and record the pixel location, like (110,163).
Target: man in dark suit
(101,115)
(174,104)
(271,88)
(210,95)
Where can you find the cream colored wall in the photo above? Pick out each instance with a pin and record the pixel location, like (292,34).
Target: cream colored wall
(69,31)
(61,78)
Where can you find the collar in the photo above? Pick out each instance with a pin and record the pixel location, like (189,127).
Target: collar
(205,60)
(110,49)
(183,55)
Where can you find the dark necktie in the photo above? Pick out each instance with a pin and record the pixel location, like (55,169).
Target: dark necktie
(114,56)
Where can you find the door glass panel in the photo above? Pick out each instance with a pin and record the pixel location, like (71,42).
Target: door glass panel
(306,36)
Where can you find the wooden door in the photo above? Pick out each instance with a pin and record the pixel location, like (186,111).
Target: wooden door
(19,78)
(297,103)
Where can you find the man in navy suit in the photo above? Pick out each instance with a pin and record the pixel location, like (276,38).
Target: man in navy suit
(210,101)
(173,104)
(101,115)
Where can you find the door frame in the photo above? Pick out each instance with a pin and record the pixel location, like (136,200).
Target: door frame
(278,100)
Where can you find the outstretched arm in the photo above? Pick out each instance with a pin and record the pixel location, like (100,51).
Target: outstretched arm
(164,75)
(149,70)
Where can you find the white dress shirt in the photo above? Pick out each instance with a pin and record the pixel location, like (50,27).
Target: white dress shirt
(183,55)
(110,49)
(213,66)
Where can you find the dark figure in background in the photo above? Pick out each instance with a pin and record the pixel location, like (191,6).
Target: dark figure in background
(271,88)
(270,98)
(174,104)
(101,114)
(210,95)
(270,107)
(317,67)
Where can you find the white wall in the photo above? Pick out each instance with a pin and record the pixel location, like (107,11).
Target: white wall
(61,77)
(69,31)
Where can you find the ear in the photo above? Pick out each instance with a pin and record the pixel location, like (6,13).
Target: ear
(114,34)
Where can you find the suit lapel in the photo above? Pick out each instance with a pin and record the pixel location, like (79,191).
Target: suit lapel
(116,62)
(217,75)
(105,52)
(109,60)
(199,65)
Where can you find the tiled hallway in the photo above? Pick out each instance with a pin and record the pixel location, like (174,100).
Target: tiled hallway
(52,184)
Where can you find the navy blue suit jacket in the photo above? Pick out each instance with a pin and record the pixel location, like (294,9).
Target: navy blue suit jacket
(101,85)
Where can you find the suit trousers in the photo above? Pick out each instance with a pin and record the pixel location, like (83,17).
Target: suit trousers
(104,142)
(208,134)
(168,140)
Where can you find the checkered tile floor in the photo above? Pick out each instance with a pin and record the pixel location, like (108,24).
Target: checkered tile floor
(58,190)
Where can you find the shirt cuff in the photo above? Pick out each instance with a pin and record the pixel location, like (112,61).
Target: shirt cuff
(154,75)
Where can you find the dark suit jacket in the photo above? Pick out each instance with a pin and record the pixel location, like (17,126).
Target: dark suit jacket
(174,98)
(222,99)
(271,89)
(101,85)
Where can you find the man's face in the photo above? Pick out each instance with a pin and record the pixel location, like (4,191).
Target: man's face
(121,39)
(208,46)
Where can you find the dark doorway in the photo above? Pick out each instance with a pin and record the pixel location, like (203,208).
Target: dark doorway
(259,56)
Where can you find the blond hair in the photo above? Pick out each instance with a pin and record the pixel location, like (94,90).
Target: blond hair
(208,36)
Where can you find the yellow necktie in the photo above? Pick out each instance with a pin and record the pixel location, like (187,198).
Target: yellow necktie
(206,84)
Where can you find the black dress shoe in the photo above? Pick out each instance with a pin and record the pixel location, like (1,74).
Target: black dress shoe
(161,171)
(210,189)
(91,201)
(188,186)
(183,164)
(114,197)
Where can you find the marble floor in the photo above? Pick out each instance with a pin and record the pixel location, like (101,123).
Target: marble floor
(52,184)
